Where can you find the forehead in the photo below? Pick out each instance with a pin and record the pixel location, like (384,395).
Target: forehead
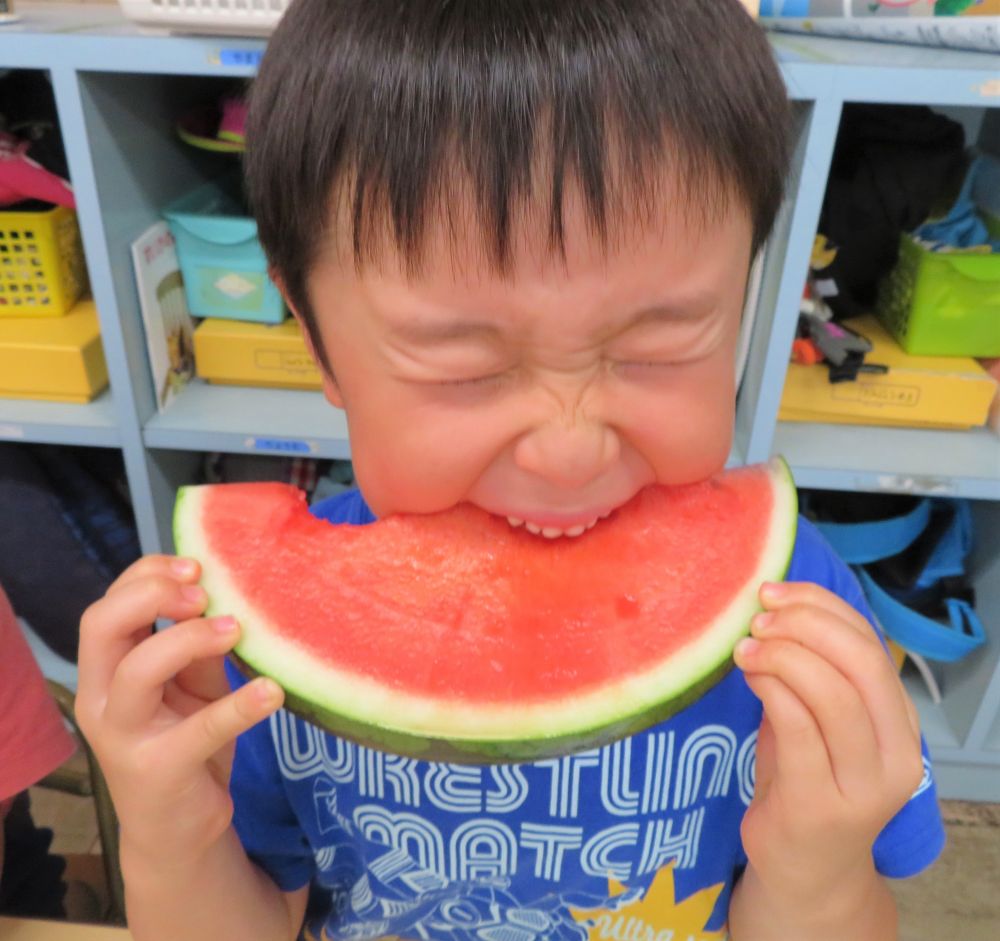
(659,232)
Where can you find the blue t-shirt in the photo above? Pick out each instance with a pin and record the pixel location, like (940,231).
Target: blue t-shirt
(637,840)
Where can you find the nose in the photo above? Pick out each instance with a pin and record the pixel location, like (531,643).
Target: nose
(568,451)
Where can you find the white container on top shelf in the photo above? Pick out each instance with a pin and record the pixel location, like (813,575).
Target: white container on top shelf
(226,17)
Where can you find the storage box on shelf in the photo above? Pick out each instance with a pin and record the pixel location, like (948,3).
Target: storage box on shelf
(128,166)
(224,268)
(42,272)
(232,352)
(916,392)
(941,303)
(59,359)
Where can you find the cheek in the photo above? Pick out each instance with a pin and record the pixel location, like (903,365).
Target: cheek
(684,430)
(433,459)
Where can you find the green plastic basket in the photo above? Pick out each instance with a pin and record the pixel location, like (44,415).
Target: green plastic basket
(943,303)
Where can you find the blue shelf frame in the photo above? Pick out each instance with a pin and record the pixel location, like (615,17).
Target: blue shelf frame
(101,67)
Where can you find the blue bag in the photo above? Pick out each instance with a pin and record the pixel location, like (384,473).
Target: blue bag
(942,566)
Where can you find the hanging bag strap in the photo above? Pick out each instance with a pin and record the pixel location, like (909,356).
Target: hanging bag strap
(861,543)
(919,634)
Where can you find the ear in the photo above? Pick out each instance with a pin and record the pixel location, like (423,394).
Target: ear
(330,388)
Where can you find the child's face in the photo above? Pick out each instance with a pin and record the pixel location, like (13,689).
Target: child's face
(552,396)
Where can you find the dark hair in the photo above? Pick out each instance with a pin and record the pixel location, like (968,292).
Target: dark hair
(388,109)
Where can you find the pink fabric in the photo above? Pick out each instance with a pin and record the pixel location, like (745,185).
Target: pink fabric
(33,739)
(22,178)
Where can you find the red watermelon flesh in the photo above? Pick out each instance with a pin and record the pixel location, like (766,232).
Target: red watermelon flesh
(456,635)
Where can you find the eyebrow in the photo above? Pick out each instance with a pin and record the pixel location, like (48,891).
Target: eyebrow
(430,333)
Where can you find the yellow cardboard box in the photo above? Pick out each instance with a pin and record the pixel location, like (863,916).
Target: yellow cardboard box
(917,391)
(60,359)
(236,352)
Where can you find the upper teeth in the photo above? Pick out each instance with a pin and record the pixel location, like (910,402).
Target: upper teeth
(552,532)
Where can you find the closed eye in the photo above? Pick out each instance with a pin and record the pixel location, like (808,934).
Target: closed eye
(641,365)
(483,381)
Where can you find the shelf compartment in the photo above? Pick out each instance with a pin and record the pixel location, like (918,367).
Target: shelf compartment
(970,687)
(40,422)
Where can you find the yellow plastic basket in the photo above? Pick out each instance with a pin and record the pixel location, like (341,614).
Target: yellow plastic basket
(42,272)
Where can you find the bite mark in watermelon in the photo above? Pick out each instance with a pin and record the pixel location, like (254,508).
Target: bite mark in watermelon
(456,637)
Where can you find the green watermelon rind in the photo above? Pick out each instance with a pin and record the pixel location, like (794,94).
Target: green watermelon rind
(486,751)
(260,654)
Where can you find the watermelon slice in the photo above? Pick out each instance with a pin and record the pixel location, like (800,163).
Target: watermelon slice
(457,637)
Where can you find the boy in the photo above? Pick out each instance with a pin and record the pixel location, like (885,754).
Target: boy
(517,234)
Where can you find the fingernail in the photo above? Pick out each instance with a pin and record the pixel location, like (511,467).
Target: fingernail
(224,625)
(266,691)
(185,568)
(746,647)
(193,593)
(761,621)
(771,591)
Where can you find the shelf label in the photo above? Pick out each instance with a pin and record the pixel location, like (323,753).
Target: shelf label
(922,483)
(8,431)
(281,445)
(239,58)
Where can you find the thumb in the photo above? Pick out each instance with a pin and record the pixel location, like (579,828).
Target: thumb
(765,761)
(765,766)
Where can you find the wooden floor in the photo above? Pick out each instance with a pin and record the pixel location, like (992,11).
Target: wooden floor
(958,899)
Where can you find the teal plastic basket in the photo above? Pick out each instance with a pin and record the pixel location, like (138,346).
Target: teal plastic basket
(221,259)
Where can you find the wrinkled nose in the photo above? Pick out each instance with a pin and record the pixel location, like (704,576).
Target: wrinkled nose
(568,453)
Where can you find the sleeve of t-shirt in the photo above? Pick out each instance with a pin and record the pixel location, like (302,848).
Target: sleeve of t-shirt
(915,836)
(263,817)
(33,738)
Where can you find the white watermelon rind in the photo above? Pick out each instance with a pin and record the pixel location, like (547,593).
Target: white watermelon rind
(365,711)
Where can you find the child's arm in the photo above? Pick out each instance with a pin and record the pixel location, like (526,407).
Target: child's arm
(157,711)
(220,896)
(837,756)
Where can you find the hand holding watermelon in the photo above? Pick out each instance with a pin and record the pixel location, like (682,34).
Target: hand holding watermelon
(157,710)
(837,756)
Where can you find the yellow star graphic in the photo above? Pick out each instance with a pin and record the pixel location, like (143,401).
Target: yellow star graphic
(657,916)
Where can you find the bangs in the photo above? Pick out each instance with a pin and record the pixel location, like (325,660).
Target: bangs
(487,194)
(370,122)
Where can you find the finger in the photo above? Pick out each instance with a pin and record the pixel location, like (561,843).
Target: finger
(166,566)
(802,765)
(862,662)
(200,682)
(764,759)
(837,708)
(777,595)
(136,691)
(204,679)
(117,623)
(216,726)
